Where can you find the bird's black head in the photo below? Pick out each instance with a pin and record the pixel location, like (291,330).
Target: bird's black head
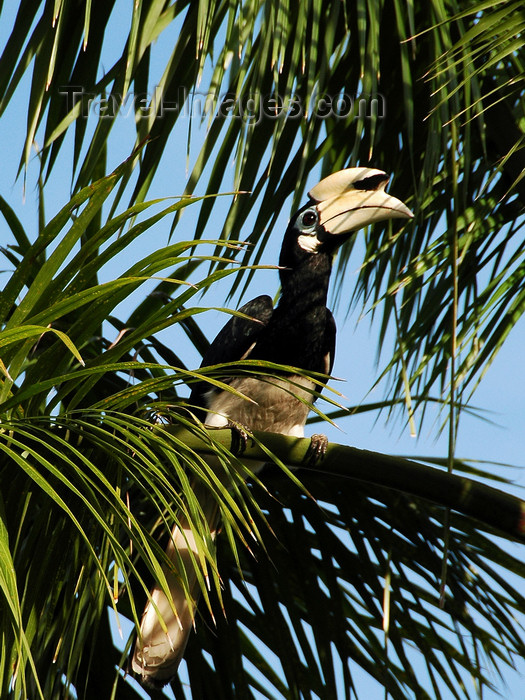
(306,236)
(339,205)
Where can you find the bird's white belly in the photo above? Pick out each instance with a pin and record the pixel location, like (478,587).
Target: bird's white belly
(275,405)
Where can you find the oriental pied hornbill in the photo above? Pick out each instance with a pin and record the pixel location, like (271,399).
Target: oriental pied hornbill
(299,332)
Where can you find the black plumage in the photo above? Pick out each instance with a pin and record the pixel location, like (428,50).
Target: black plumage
(300,333)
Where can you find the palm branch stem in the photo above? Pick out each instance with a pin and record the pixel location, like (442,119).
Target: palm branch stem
(492,507)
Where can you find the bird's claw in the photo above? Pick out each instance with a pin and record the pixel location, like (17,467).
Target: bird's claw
(240,438)
(317,449)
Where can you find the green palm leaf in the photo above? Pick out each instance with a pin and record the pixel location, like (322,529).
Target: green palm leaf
(323,581)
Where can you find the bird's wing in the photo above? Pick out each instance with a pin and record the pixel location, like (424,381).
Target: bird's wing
(329,336)
(234,341)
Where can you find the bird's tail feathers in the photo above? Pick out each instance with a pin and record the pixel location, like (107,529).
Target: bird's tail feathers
(166,623)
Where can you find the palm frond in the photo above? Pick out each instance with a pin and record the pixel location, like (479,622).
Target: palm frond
(320,581)
(330,618)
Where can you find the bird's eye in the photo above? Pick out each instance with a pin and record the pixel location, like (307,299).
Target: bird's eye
(308,219)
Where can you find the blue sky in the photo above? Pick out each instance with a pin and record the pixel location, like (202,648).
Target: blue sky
(501,395)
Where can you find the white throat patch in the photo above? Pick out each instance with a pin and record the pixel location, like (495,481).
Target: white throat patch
(309,243)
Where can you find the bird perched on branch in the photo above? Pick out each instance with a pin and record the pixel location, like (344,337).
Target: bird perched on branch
(299,332)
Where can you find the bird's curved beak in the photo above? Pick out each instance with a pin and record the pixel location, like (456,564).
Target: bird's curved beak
(353,198)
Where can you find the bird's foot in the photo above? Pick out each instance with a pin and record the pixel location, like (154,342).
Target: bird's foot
(317,449)
(240,437)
